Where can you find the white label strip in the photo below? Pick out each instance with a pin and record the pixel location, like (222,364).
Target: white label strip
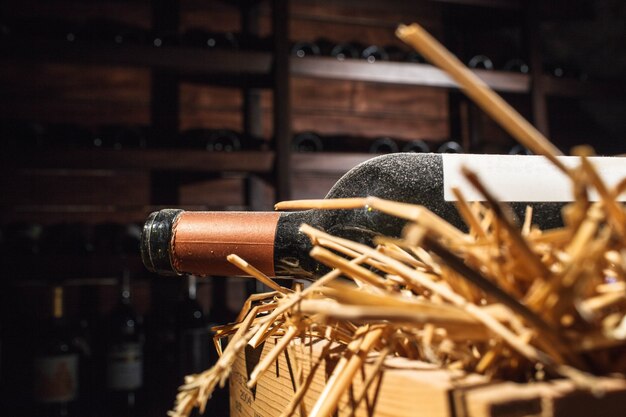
(524,178)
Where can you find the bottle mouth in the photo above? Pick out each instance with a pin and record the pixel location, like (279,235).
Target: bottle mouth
(156,239)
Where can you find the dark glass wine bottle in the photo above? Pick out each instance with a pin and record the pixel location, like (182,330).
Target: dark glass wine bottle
(480,62)
(305,49)
(344,50)
(450,147)
(374,53)
(193,333)
(519,150)
(307,142)
(56,366)
(416,146)
(383,145)
(516,65)
(201,38)
(124,356)
(221,140)
(175,241)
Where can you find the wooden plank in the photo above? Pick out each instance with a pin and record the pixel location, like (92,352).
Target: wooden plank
(327,163)
(307,186)
(136,159)
(401,73)
(38,187)
(415,101)
(73,82)
(215,192)
(370,125)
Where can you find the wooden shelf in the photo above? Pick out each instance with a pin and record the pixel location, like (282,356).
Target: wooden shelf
(142,159)
(401,73)
(183,60)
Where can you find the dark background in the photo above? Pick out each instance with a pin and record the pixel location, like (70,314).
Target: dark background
(71,209)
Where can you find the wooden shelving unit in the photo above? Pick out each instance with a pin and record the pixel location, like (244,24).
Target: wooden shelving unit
(401,73)
(270,70)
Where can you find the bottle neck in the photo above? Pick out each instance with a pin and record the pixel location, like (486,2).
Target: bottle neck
(57,303)
(192,286)
(125,288)
(201,241)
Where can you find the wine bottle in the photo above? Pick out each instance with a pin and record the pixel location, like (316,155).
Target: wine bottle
(516,65)
(374,53)
(200,38)
(450,147)
(56,366)
(307,142)
(519,150)
(416,146)
(193,333)
(165,39)
(344,50)
(303,48)
(480,62)
(383,145)
(175,241)
(124,356)
(222,140)
(120,137)
(415,57)
(396,53)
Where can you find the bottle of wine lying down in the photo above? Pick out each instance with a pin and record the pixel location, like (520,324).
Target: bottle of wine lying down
(177,242)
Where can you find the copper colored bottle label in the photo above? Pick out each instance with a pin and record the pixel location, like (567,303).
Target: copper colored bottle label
(201,241)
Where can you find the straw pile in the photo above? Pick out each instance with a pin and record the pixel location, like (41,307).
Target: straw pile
(502,300)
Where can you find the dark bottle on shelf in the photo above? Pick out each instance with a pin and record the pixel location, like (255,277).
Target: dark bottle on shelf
(124,355)
(67,239)
(415,57)
(416,146)
(56,366)
(396,53)
(110,31)
(201,38)
(120,137)
(383,145)
(519,150)
(325,45)
(70,136)
(344,50)
(25,239)
(46,28)
(307,142)
(165,39)
(450,147)
(169,239)
(17,134)
(305,49)
(480,62)
(193,333)
(374,53)
(516,65)
(221,140)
